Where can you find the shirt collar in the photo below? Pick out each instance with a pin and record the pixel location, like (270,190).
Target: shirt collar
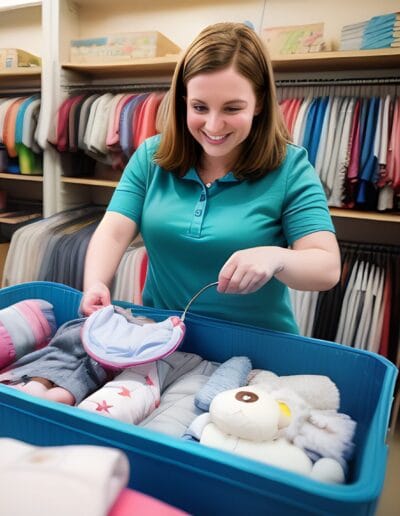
(192,175)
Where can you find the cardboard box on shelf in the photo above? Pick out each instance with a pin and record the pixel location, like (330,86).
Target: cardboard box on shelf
(12,58)
(294,39)
(122,47)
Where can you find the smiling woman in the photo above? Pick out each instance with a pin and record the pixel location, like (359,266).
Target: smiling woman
(220,111)
(221,192)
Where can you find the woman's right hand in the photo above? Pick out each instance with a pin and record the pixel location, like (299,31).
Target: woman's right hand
(96,297)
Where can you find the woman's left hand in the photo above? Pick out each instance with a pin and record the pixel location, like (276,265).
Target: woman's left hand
(248,270)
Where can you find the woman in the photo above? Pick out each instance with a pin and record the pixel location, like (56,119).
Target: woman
(220,195)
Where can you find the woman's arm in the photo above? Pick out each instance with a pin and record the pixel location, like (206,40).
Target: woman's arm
(106,248)
(313,263)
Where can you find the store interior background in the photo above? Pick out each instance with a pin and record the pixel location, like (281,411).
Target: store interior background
(181,20)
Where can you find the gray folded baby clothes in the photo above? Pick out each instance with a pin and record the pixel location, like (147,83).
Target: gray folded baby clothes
(63,362)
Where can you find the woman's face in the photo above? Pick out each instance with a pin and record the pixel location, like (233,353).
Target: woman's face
(220,110)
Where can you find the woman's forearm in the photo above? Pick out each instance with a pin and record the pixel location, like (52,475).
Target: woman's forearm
(106,248)
(309,269)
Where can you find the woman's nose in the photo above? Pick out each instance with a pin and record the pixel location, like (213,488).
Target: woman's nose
(214,123)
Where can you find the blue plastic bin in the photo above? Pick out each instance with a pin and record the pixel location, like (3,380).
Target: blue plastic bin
(205,481)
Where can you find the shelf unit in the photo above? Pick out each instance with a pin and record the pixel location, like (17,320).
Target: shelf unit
(88,181)
(323,61)
(157,66)
(21,27)
(63,20)
(365,215)
(379,227)
(21,81)
(22,73)
(384,58)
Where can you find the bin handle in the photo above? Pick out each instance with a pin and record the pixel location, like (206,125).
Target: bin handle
(193,298)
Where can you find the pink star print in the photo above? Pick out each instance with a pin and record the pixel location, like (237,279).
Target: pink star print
(149,381)
(103,406)
(125,392)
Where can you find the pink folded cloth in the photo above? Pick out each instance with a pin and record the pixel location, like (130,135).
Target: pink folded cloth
(25,327)
(132,502)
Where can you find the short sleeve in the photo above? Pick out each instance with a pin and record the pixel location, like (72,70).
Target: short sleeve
(128,197)
(305,208)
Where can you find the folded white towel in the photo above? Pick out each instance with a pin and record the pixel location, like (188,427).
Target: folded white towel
(61,480)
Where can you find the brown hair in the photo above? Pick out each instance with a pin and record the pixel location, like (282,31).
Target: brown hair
(217,47)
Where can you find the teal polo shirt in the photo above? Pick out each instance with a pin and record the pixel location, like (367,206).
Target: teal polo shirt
(190,231)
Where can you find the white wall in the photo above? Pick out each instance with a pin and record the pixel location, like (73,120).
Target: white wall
(180,20)
(21,28)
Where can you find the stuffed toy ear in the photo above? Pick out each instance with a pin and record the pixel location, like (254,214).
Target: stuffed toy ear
(25,327)
(285,415)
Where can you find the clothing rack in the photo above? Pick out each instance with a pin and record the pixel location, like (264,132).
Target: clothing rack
(114,88)
(338,82)
(365,247)
(278,82)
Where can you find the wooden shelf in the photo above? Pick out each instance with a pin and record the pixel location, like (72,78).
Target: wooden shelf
(332,61)
(318,61)
(89,181)
(20,177)
(16,219)
(365,215)
(335,212)
(33,72)
(140,67)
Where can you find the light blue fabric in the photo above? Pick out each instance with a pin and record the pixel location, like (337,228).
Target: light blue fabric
(319,120)
(309,131)
(20,117)
(115,340)
(231,374)
(190,231)
(125,125)
(195,429)
(368,162)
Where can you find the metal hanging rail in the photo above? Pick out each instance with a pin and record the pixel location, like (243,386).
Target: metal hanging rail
(15,91)
(339,82)
(117,88)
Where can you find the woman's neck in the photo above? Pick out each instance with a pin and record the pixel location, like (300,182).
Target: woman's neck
(213,169)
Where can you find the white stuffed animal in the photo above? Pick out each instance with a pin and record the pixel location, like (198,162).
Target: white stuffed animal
(250,421)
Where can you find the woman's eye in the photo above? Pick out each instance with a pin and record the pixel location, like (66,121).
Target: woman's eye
(199,108)
(232,109)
